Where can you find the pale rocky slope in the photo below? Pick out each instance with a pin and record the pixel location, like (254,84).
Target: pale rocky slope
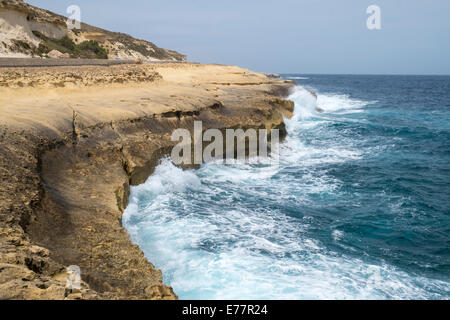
(28,31)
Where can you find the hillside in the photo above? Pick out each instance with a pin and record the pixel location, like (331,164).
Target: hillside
(28,31)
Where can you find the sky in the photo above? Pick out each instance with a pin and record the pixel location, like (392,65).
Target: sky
(285,36)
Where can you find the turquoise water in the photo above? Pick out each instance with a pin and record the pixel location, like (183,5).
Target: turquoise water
(358,208)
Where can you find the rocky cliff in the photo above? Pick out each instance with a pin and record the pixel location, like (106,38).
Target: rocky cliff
(73,139)
(28,31)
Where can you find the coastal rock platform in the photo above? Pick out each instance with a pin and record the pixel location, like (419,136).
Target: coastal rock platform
(73,140)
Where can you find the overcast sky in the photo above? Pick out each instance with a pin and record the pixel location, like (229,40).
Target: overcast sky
(285,36)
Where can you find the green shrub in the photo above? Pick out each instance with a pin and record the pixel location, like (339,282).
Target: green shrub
(87,49)
(22,44)
(91,49)
(42,49)
(39,35)
(67,43)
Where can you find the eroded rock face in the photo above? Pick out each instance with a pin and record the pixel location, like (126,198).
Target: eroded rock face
(67,159)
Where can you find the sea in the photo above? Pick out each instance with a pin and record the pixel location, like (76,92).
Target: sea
(358,206)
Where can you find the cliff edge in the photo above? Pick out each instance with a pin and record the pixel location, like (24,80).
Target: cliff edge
(73,140)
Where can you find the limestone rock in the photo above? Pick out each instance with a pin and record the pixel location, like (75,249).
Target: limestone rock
(68,158)
(55,54)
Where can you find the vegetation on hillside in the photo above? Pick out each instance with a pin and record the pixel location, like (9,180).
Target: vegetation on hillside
(20,46)
(87,49)
(116,44)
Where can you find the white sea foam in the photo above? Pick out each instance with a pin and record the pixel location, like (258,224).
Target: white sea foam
(231,252)
(337,235)
(339,102)
(308,102)
(313,105)
(298,78)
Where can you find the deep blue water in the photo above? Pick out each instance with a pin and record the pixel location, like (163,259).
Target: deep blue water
(359,206)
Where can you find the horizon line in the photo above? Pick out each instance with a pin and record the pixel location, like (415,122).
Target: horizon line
(367,74)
